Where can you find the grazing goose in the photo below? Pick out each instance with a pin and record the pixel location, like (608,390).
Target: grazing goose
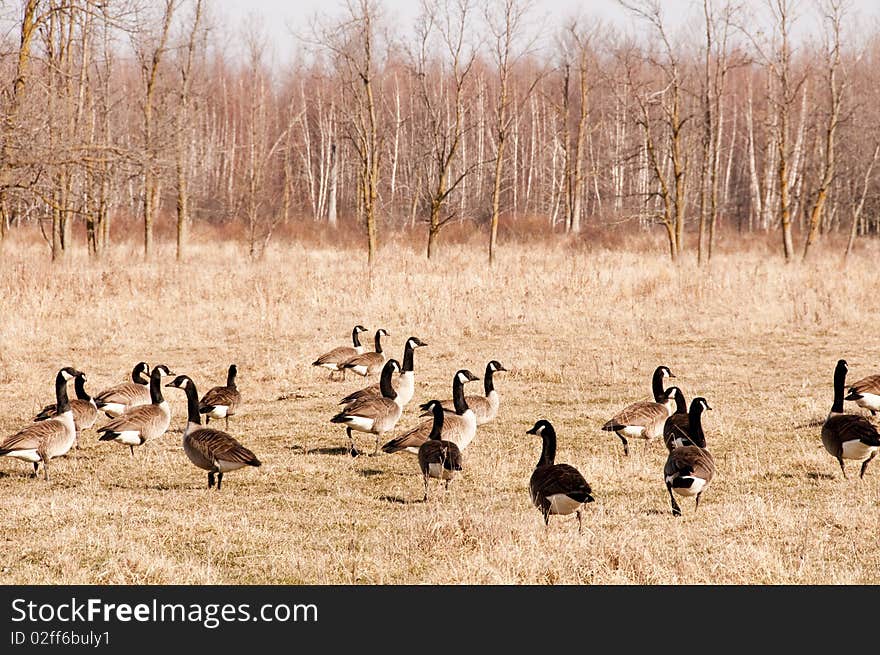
(675,429)
(485,407)
(404,383)
(333,359)
(376,415)
(459,427)
(115,400)
(438,458)
(848,436)
(45,440)
(221,402)
(140,424)
(556,488)
(85,411)
(690,469)
(642,420)
(866,393)
(213,450)
(368,363)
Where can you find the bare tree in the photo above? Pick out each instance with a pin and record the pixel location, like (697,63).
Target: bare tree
(671,121)
(151,49)
(507,21)
(442,86)
(183,129)
(834,14)
(353,43)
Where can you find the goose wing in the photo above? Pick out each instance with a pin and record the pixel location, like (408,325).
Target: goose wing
(851,427)
(33,436)
(218,445)
(555,479)
(690,460)
(225,396)
(411,439)
(869,384)
(336,356)
(125,394)
(643,413)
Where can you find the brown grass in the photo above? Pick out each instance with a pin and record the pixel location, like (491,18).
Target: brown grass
(581,327)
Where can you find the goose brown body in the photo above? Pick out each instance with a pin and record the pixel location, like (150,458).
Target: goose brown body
(689,469)
(214,451)
(848,436)
(556,488)
(142,423)
(459,427)
(333,359)
(221,401)
(45,440)
(369,363)
(116,399)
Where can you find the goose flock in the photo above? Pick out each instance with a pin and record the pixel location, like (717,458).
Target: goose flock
(138,414)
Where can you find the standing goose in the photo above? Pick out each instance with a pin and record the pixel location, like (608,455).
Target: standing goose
(690,469)
(221,402)
(213,450)
(368,363)
(848,436)
(556,488)
(404,383)
(85,411)
(143,423)
(438,458)
(642,420)
(375,415)
(115,400)
(45,440)
(333,359)
(459,427)
(675,429)
(485,407)
(866,393)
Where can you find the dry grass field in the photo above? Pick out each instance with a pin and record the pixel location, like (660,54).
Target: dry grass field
(581,330)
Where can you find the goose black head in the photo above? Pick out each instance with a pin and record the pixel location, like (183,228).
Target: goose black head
(464,375)
(539,427)
(68,373)
(180,382)
(415,342)
(495,365)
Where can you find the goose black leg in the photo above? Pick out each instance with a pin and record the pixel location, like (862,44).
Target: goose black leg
(219,479)
(840,460)
(210,479)
(547,515)
(227,422)
(36,466)
(580,523)
(625,444)
(376,451)
(131,450)
(351,450)
(676,510)
(865,464)
(425,499)
(45,471)
(207,419)
(697,505)
(447,485)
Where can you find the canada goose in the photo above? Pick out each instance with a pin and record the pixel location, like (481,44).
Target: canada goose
(368,363)
(438,458)
(642,420)
(485,407)
(404,383)
(45,440)
(675,429)
(866,393)
(140,424)
(221,402)
(690,469)
(376,415)
(459,427)
(85,411)
(848,436)
(333,359)
(213,450)
(115,400)
(556,488)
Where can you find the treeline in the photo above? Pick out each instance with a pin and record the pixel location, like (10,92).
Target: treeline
(134,112)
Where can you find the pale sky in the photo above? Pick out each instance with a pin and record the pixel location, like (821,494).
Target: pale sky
(280,17)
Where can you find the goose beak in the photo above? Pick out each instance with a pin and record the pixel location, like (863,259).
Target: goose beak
(590,498)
